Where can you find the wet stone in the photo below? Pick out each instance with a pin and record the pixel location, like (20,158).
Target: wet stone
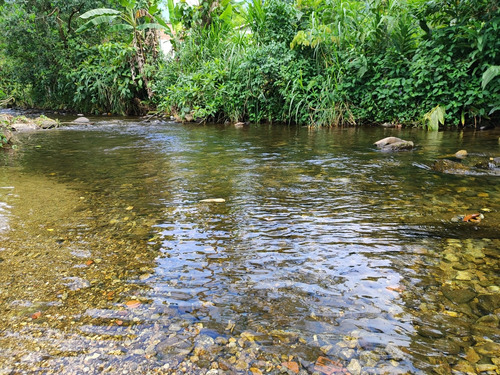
(464,367)
(471,355)
(458,295)
(487,368)
(489,349)
(452,258)
(369,359)
(347,353)
(463,276)
(354,367)
(488,302)
(394,352)
(491,320)
(447,346)
(429,331)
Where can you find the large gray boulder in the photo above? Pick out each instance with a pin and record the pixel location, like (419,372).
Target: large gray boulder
(394,144)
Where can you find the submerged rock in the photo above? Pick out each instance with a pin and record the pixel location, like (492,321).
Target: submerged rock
(449,166)
(458,295)
(488,302)
(464,163)
(394,144)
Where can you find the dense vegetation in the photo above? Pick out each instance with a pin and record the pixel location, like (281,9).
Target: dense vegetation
(315,62)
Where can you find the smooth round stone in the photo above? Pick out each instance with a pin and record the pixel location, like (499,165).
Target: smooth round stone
(354,367)
(458,295)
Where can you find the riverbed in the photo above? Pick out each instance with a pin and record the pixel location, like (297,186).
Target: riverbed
(141,248)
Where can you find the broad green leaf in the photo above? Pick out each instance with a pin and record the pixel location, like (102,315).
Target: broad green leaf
(489,74)
(171,10)
(102,19)
(99,12)
(226,15)
(494,110)
(121,27)
(435,117)
(128,3)
(153,9)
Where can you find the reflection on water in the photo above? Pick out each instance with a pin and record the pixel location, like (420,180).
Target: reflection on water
(322,248)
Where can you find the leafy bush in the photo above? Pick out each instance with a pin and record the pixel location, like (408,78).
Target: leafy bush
(103,81)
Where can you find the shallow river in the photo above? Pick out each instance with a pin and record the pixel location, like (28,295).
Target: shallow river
(317,253)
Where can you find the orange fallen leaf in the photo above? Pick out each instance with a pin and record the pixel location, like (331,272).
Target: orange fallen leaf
(329,367)
(475,218)
(133,304)
(293,366)
(397,288)
(36,315)
(119,322)
(89,262)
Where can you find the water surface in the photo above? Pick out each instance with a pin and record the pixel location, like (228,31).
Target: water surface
(326,253)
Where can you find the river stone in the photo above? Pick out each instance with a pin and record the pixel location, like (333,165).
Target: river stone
(449,166)
(176,345)
(472,356)
(458,295)
(489,349)
(447,346)
(461,154)
(463,276)
(488,302)
(76,283)
(347,353)
(46,123)
(486,367)
(464,367)
(81,120)
(394,144)
(354,367)
(387,141)
(491,320)
(21,126)
(451,257)
(370,359)
(394,352)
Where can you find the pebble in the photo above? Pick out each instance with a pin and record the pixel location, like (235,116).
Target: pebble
(463,276)
(354,367)
(487,367)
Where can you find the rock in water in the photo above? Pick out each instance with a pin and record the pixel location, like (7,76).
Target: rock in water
(46,123)
(394,144)
(448,166)
(82,120)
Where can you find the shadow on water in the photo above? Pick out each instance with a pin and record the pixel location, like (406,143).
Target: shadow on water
(319,246)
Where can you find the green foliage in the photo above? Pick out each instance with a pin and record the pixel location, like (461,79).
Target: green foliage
(434,117)
(310,62)
(490,73)
(103,81)
(36,50)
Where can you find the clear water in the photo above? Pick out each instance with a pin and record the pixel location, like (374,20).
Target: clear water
(323,247)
